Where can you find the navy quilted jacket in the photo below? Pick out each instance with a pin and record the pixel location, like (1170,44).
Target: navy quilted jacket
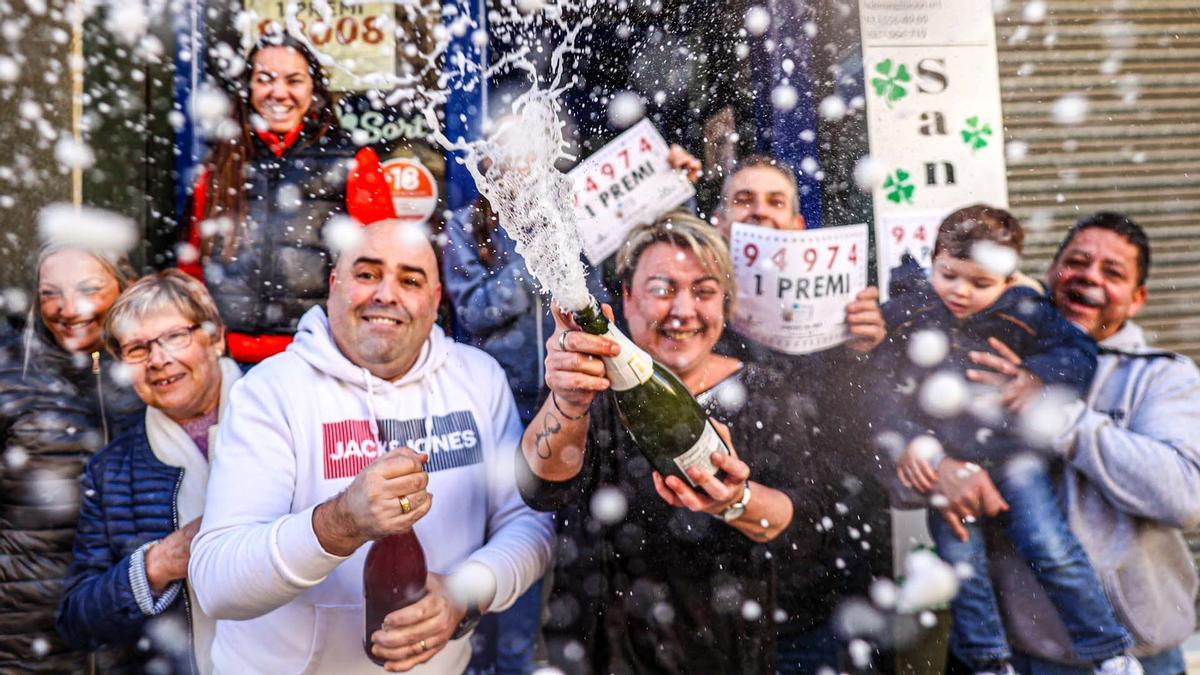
(128,500)
(1050,347)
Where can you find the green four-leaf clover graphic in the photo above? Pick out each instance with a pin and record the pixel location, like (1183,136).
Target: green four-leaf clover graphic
(975,136)
(898,188)
(891,85)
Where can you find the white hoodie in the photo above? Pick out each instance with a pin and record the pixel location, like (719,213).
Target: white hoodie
(301,428)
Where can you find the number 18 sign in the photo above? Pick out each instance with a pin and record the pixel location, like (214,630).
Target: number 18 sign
(794,285)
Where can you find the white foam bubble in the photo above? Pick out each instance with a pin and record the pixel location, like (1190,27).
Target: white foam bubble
(943,394)
(1046,418)
(869,174)
(757,20)
(624,109)
(127,20)
(342,233)
(926,447)
(832,108)
(1035,11)
(1016,151)
(211,107)
(884,593)
(929,581)
(74,154)
(928,347)
(751,610)
(609,505)
(471,584)
(87,228)
(995,258)
(9,70)
(784,97)
(1070,109)
(860,653)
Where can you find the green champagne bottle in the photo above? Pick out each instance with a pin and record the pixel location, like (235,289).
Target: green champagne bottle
(667,424)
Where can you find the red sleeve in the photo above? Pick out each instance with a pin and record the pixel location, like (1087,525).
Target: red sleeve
(191,232)
(368,197)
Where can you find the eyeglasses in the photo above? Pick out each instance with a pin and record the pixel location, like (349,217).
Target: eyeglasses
(171,341)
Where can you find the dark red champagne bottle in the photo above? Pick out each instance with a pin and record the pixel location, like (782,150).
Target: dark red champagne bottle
(393,578)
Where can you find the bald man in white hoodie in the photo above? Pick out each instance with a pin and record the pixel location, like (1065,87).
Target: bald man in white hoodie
(343,439)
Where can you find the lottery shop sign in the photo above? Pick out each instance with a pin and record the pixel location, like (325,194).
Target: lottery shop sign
(794,285)
(359,38)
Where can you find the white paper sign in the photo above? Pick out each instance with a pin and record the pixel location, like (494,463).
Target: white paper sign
(910,232)
(794,285)
(358,37)
(623,184)
(933,116)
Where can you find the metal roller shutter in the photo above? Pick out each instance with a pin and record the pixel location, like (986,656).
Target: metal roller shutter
(1136,63)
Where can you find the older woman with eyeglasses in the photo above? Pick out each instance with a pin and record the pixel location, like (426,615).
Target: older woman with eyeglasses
(143,495)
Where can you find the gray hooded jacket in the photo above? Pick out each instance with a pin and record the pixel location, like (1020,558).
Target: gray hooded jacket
(1132,488)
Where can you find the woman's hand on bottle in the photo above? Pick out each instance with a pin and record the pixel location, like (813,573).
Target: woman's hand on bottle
(574,371)
(416,633)
(710,495)
(387,497)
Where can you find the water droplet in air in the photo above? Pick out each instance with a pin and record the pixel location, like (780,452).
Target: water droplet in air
(929,347)
(609,505)
(832,108)
(784,97)
(624,109)
(1070,109)
(943,394)
(758,19)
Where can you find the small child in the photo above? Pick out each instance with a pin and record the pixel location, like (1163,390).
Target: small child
(969,300)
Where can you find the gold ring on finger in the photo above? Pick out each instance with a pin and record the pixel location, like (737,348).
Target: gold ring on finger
(423,646)
(405,505)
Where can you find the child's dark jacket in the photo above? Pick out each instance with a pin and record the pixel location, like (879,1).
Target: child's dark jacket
(1050,347)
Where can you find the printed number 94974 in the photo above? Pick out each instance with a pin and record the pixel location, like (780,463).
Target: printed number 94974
(810,257)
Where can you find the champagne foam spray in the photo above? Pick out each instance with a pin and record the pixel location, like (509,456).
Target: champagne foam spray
(532,198)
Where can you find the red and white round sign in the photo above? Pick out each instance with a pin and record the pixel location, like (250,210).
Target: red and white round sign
(414,189)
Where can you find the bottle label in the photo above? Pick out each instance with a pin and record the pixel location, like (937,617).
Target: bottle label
(631,367)
(699,455)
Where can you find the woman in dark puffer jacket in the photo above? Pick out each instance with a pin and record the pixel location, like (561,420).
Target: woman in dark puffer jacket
(58,405)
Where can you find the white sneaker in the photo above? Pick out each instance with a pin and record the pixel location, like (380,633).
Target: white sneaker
(1120,665)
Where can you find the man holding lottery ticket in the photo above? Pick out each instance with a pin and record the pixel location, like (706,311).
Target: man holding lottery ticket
(814,321)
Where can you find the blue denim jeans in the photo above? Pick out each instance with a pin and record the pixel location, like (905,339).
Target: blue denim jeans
(505,643)
(821,651)
(807,653)
(1039,531)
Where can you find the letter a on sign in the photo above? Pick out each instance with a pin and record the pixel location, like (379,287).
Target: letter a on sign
(414,188)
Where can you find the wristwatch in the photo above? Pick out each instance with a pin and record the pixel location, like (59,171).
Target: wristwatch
(468,623)
(736,510)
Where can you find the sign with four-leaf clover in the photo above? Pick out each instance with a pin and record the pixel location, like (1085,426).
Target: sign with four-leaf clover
(932,92)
